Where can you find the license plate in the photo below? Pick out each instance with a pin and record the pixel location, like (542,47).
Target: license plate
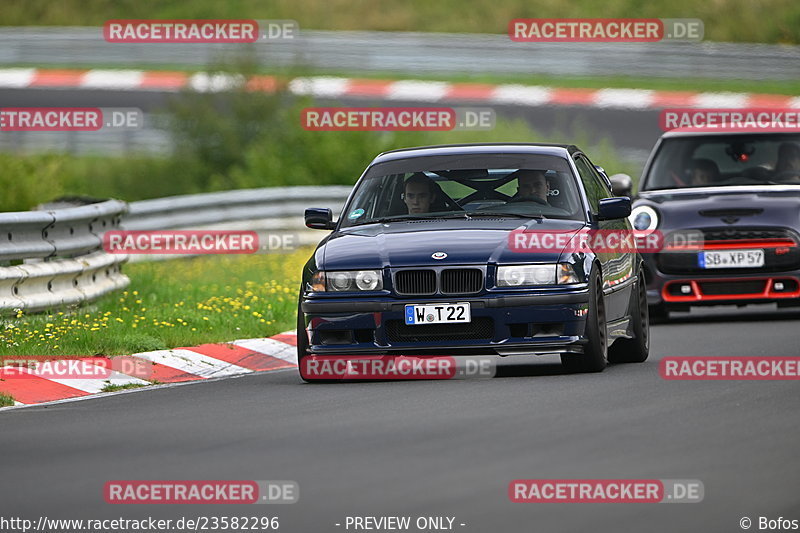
(731,259)
(437,314)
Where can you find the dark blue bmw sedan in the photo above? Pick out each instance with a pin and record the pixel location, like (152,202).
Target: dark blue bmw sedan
(422,261)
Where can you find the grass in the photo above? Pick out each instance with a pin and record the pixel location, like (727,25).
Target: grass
(6,400)
(772,21)
(110,387)
(787,87)
(176,303)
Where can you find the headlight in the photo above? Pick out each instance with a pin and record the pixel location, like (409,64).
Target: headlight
(340,281)
(644,218)
(368,280)
(347,280)
(530,275)
(525,275)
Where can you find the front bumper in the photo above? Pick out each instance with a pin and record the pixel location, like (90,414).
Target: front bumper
(504,324)
(721,287)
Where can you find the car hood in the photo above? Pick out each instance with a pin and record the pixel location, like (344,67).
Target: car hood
(412,243)
(725,206)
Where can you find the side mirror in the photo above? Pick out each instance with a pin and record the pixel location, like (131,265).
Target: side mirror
(621,184)
(318,218)
(614,208)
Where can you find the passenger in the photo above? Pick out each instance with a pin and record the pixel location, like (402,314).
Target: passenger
(419,193)
(788,165)
(704,173)
(532,184)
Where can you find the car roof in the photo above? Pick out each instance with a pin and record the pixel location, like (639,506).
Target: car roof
(560,150)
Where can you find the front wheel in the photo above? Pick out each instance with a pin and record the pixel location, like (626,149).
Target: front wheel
(637,349)
(595,352)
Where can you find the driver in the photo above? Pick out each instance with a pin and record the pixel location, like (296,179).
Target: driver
(532,184)
(788,163)
(704,172)
(418,194)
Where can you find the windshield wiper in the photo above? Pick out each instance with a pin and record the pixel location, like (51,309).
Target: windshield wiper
(406,218)
(502,214)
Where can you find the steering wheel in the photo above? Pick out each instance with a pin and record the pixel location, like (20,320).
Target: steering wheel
(534,199)
(786,175)
(739,180)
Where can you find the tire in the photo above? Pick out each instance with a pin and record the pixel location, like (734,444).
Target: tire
(637,349)
(595,352)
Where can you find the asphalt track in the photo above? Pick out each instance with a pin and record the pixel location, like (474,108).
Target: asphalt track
(439,448)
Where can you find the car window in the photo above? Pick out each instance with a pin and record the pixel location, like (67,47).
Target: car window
(602,181)
(543,187)
(592,182)
(720,160)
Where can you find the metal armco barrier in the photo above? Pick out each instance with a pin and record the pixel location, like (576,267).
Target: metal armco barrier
(59,255)
(269,212)
(201,210)
(53,258)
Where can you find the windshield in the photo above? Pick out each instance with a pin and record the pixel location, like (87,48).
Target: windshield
(465,187)
(719,160)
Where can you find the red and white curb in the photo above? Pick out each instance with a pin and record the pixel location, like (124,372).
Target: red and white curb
(402,90)
(207,361)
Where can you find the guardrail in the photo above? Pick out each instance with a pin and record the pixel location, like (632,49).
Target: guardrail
(408,52)
(53,258)
(273,204)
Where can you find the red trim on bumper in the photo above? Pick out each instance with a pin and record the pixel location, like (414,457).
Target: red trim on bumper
(737,244)
(697,294)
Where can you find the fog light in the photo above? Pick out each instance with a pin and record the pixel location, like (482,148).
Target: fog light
(778,286)
(686,289)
